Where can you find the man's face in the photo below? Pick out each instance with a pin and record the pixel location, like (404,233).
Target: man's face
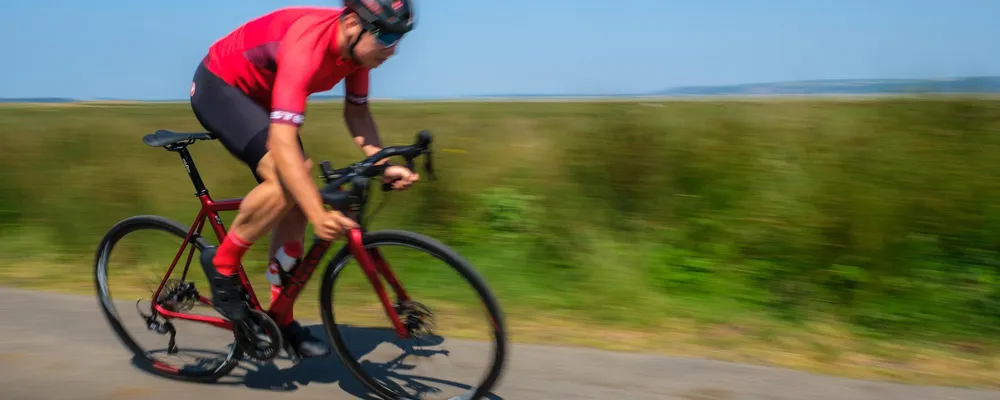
(371,52)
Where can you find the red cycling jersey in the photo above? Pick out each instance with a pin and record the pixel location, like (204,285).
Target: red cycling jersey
(302,41)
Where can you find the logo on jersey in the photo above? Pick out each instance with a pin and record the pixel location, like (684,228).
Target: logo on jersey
(286,116)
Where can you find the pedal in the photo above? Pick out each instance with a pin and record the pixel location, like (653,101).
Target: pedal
(293,354)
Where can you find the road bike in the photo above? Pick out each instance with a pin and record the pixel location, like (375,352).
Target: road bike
(258,338)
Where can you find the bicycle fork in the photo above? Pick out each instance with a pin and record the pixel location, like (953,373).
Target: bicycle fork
(374,267)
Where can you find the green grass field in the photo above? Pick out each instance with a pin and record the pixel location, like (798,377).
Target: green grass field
(856,237)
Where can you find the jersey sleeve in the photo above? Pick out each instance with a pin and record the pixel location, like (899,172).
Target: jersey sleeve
(300,55)
(356,87)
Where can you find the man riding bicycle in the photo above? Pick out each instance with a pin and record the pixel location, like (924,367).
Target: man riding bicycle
(250,92)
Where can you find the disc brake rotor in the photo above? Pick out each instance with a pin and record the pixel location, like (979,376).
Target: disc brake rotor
(417,317)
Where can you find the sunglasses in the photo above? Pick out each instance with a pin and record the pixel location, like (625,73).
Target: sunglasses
(385,39)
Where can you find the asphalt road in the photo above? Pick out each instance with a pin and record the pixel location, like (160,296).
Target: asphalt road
(55,346)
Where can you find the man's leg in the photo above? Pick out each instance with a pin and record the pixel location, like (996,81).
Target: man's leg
(259,212)
(291,229)
(288,226)
(242,126)
(275,210)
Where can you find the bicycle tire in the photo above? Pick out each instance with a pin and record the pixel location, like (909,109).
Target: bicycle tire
(107,244)
(452,259)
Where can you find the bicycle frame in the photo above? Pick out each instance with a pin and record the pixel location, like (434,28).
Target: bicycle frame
(372,262)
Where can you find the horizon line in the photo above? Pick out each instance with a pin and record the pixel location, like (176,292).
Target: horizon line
(664,92)
(592,99)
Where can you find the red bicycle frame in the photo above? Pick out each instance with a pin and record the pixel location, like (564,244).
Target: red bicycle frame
(372,262)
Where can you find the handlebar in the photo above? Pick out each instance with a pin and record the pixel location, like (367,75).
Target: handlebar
(359,172)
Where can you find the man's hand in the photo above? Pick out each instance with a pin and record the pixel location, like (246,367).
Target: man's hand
(332,224)
(401,177)
(362,127)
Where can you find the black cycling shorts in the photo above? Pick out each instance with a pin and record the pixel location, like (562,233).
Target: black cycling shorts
(232,117)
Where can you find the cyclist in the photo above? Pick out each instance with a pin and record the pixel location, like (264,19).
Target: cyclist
(250,92)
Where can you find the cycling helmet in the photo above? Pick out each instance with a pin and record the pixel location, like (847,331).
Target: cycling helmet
(392,18)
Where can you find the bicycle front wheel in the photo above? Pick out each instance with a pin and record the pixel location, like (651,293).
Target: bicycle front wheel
(420,294)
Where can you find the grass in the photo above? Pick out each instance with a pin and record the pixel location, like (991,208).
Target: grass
(854,237)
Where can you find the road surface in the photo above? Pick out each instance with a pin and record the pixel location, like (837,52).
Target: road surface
(55,346)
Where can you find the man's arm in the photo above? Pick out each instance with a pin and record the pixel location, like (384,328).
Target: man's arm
(361,126)
(357,116)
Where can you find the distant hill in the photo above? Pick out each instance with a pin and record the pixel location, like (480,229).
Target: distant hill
(990,84)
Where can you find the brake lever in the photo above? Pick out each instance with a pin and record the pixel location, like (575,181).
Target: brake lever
(409,163)
(429,166)
(327,171)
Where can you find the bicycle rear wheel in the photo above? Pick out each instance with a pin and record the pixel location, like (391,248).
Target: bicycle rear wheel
(380,385)
(178,295)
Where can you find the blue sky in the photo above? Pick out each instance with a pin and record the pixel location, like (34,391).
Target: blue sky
(149,49)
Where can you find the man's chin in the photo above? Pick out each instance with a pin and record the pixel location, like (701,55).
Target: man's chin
(374,63)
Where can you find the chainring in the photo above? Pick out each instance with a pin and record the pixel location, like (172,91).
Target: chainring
(258,337)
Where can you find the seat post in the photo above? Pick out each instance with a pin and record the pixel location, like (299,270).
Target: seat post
(192,170)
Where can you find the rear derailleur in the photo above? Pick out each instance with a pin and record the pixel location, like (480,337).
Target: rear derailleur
(162,328)
(176,296)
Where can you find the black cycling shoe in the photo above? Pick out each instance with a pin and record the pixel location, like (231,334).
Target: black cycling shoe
(228,296)
(303,341)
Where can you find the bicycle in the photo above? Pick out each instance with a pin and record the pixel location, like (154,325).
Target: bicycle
(408,317)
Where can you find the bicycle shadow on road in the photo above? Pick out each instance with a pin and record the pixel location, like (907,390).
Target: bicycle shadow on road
(329,370)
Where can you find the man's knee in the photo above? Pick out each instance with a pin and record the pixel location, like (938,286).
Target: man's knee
(270,197)
(267,169)
(278,196)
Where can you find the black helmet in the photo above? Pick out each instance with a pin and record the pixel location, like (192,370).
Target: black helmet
(387,17)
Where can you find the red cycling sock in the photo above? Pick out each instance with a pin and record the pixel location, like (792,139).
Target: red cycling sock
(230,252)
(286,319)
(294,250)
